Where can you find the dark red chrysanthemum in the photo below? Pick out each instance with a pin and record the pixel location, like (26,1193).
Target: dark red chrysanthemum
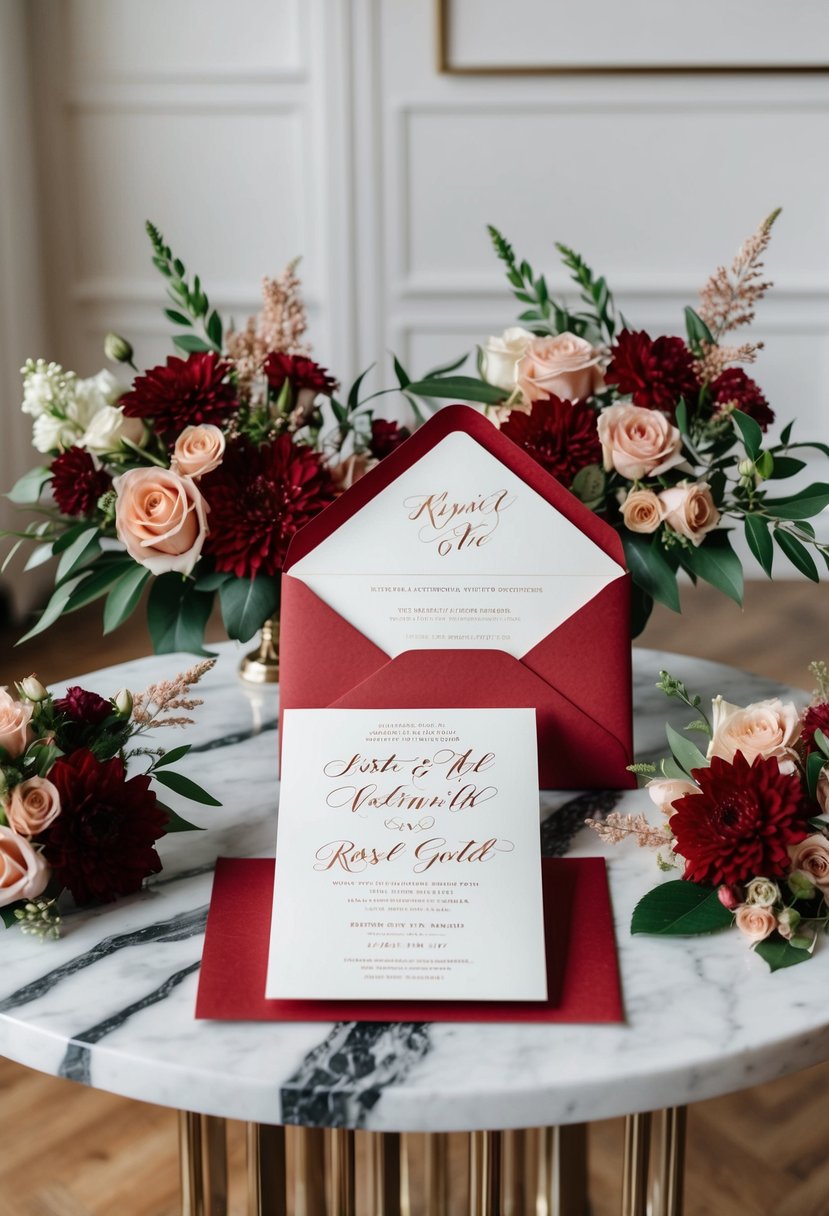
(258,498)
(76,483)
(300,371)
(734,389)
(562,436)
(656,372)
(740,825)
(184,392)
(84,707)
(385,437)
(815,718)
(101,844)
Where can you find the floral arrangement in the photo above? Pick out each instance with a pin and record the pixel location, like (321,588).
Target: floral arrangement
(193,480)
(662,436)
(747,822)
(70,817)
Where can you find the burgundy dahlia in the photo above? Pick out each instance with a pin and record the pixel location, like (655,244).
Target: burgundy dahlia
(656,372)
(258,498)
(76,482)
(385,437)
(84,707)
(300,371)
(561,435)
(101,844)
(741,823)
(815,718)
(735,390)
(184,392)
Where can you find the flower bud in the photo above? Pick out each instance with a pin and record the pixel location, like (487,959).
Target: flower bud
(762,892)
(787,922)
(801,885)
(32,689)
(729,897)
(123,702)
(117,348)
(746,469)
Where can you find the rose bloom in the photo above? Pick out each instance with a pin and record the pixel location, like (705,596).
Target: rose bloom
(690,510)
(811,856)
(198,450)
(500,356)
(642,511)
(638,442)
(765,728)
(762,892)
(24,873)
(350,470)
(15,731)
(161,518)
(755,922)
(565,366)
(32,806)
(108,428)
(664,791)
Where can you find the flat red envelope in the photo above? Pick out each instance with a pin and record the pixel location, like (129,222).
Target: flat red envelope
(582,967)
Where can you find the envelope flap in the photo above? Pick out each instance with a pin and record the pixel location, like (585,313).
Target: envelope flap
(455,418)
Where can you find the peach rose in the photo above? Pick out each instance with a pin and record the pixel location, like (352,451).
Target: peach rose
(15,731)
(765,728)
(811,857)
(690,510)
(500,356)
(351,469)
(664,792)
(642,511)
(32,806)
(564,366)
(755,921)
(637,442)
(161,518)
(198,450)
(23,870)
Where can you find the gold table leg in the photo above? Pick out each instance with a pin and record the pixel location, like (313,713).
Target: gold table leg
(668,1184)
(635,1167)
(560,1158)
(308,1144)
(267,1189)
(485,1174)
(341,1180)
(203,1164)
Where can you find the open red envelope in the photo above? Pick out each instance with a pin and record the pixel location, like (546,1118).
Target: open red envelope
(577,677)
(582,968)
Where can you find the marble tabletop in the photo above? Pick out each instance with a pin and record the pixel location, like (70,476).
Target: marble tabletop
(111,1004)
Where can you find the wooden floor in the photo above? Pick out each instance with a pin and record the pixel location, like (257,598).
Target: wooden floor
(69,1151)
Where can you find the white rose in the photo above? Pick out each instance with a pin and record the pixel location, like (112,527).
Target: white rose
(50,434)
(108,427)
(500,356)
(93,394)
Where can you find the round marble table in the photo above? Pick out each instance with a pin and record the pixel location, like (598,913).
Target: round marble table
(111,1004)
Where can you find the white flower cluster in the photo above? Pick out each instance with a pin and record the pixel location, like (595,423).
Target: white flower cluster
(67,410)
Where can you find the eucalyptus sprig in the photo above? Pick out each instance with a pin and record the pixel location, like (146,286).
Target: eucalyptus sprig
(192,307)
(544,315)
(594,292)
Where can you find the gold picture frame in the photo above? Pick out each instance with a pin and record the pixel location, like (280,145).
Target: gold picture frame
(445,65)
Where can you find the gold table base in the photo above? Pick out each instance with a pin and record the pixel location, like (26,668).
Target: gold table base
(297,1171)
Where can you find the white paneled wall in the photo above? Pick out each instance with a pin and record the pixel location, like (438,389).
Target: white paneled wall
(257,130)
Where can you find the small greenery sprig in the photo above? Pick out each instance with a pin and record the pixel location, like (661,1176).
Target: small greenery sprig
(192,299)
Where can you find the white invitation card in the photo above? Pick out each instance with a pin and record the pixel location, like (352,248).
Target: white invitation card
(408,860)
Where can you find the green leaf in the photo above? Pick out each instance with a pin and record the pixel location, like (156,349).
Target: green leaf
(698,332)
(82,549)
(124,597)
(178,318)
(173,756)
(804,505)
(69,537)
(641,607)
(53,609)
(176,822)
(798,554)
(403,377)
(815,764)
(458,388)
(716,562)
(764,464)
(246,605)
(213,581)
(786,466)
(43,553)
(353,399)
(214,329)
(589,485)
(786,433)
(649,569)
(681,417)
(97,582)
(30,486)
(680,909)
(822,742)
(687,754)
(187,788)
(759,541)
(190,343)
(777,952)
(446,369)
(7,914)
(177,614)
(750,432)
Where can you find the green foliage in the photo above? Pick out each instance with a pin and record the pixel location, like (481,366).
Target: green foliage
(680,909)
(187,788)
(246,605)
(698,332)
(717,563)
(759,541)
(457,388)
(30,486)
(176,822)
(778,953)
(650,570)
(177,613)
(191,305)
(594,292)
(687,754)
(797,553)
(543,314)
(124,596)
(750,433)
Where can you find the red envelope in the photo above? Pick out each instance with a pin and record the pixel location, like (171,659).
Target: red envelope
(582,968)
(578,678)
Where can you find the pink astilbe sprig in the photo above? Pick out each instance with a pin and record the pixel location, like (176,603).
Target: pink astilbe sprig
(715,359)
(279,327)
(616,827)
(156,705)
(728,299)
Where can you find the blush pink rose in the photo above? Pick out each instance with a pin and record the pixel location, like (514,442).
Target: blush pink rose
(638,442)
(755,922)
(32,806)
(161,518)
(664,792)
(642,511)
(350,470)
(23,872)
(15,729)
(565,366)
(198,450)
(690,510)
(811,857)
(764,728)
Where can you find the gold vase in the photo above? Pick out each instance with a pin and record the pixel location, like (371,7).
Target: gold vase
(261,666)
